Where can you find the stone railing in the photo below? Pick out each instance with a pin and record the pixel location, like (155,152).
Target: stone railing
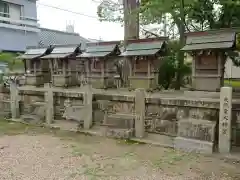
(43,111)
(124,115)
(192,123)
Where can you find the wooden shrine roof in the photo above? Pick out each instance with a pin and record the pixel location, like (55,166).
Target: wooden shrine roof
(63,51)
(101,49)
(208,40)
(144,47)
(35,52)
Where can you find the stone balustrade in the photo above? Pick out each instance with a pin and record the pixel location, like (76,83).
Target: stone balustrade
(194,124)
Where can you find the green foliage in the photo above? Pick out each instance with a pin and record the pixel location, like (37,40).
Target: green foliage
(7,57)
(167,71)
(214,14)
(232,83)
(110,11)
(11,60)
(184,15)
(169,67)
(201,15)
(197,14)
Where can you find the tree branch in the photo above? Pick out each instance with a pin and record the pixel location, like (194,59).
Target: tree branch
(147,31)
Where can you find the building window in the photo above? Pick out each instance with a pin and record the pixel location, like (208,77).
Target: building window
(10,10)
(15,11)
(4,9)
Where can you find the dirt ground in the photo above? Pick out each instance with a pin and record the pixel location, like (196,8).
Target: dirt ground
(31,153)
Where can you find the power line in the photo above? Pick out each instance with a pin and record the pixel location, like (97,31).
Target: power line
(66,10)
(98,2)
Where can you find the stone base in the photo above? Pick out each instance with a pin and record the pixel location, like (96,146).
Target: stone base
(6,115)
(142,82)
(34,80)
(203,94)
(118,133)
(32,119)
(191,145)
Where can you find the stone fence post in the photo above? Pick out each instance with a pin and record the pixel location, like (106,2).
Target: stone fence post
(140,113)
(49,106)
(87,102)
(225,120)
(14,100)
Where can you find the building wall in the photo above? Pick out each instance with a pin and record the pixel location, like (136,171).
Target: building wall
(30,7)
(16,40)
(231,71)
(15,36)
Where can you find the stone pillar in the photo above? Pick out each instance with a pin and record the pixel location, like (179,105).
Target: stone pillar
(64,67)
(149,72)
(194,71)
(48,96)
(225,118)
(87,68)
(140,113)
(87,102)
(103,72)
(51,70)
(14,100)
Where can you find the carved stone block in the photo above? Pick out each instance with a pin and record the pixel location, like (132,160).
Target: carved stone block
(197,129)
(191,145)
(74,112)
(206,114)
(123,121)
(122,107)
(225,120)
(119,133)
(36,116)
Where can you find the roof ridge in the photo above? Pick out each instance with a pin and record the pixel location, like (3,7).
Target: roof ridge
(59,31)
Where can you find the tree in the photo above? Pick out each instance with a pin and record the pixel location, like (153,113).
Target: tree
(153,11)
(11,60)
(184,15)
(215,14)
(169,68)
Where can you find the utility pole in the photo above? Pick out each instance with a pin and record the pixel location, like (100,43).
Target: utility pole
(131,31)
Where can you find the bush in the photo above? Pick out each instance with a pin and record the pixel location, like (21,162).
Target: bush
(167,71)
(11,60)
(168,68)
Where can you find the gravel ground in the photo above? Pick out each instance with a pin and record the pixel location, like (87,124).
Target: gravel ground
(38,154)
(27,157)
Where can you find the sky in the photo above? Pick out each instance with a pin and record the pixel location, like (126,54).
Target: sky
(86,27)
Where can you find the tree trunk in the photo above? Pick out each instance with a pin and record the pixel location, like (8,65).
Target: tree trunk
(181,28)
(131,31)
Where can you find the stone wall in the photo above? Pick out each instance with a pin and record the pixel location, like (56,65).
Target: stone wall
(191,123)
(174,117)
(5,103)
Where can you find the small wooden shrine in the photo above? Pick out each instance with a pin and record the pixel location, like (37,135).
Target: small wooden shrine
(144,59)
(37,72)
(99,61)
(209,52)
(62,63)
